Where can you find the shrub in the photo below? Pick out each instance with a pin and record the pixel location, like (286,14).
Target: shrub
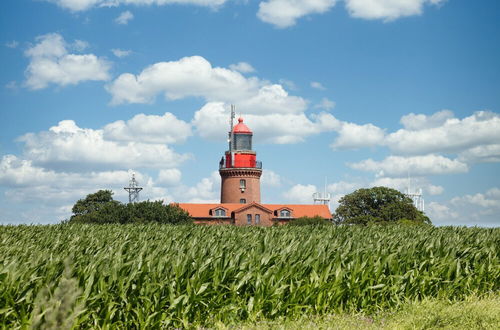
(307,221)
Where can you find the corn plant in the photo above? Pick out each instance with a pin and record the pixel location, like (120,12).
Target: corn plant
(150,276)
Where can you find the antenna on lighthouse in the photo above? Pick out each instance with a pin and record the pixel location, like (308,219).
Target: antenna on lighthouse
(231,135)
(133,190)
(322,198)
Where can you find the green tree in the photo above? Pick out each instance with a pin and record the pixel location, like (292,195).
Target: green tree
(156,211)
(377,205)
(100,207)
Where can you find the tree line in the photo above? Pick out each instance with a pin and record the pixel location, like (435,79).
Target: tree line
(100,207)
(378,205)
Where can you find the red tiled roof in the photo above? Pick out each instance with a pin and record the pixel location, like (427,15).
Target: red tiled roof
(298,210)
(303,210)
(202,210)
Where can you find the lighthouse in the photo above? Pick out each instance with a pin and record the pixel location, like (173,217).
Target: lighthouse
(239,169)
(240,203)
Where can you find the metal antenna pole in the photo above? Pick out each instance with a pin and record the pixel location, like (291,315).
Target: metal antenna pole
(231,137)
(133,190)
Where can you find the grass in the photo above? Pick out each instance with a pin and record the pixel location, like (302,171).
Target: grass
(471,313)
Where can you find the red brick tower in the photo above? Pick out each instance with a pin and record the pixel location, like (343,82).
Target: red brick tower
(239,169)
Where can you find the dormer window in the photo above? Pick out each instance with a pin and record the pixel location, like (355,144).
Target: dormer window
(284,214)
(220,213)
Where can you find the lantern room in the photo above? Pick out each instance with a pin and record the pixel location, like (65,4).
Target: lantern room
(240,153)
(239,169)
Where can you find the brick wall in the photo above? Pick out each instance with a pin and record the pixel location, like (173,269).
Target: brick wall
(230,185)
(240,219)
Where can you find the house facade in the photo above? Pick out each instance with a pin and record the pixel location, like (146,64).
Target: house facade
(240,204)
(252,213)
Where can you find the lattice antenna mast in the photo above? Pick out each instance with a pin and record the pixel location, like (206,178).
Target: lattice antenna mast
(322,198)
(415,196)
(133,190)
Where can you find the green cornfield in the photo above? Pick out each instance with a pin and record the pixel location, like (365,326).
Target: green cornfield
(153,276)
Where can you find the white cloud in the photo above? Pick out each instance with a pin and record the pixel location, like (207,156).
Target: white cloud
(288,84)
(490,199)
(69,147)
(442,133)
(12,44)
(473,139)
(211,123)
(81,5)
(402,184)
(440,213)
(482,209)
(19,172)
(149,129)
(51,63)
(340,189)
(387,10)
(396,166)
(481,154)
(285,13)
(190,76)
(317,85)
(24,176)
(272,99)
(270,178)
(79,45)
(354,136)
(11,84)
(434,190)
(124,18)
(343,187)
(121,52)
(169,177)
(205,191)
(416,122)
(195,77)
(46,196)
(242,67)
(302,194)
(325,104)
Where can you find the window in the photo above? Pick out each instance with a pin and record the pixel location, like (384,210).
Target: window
(243,201)
(243,141)
(284,214)
(243,184)
(257,219)
(220,213)
(249,219)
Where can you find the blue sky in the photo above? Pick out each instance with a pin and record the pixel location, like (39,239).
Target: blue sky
(361,92)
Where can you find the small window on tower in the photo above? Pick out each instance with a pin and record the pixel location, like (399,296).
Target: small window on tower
(243,184)
(243,201)
(249,219)
(220,213)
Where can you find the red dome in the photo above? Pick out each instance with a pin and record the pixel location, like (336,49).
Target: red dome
(241,128)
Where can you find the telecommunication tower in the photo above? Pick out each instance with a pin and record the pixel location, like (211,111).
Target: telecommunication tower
(415,196)
(133,190)
(322,197)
